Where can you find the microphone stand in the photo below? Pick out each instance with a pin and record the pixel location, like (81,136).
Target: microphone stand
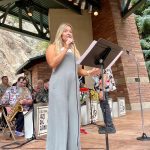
(100,61)
(144,137)
(104,99)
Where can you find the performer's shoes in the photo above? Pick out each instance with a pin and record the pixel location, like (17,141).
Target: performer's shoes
(110,129)
(17,133)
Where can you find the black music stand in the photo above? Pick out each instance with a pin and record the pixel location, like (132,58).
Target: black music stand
(103,54)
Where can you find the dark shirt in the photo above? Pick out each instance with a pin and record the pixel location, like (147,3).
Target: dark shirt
(41,96)
(3,89)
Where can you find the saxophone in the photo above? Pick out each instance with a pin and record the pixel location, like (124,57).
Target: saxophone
(17,107)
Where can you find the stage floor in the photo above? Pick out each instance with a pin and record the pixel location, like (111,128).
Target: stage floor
(128,129)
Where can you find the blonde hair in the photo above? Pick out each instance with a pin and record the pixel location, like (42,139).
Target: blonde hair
(59,43)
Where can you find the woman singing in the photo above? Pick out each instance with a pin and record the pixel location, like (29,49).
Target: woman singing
(64,105)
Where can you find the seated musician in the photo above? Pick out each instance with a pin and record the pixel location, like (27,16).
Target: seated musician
(37,88)
(42,95)
(12,96)
(3,87)
(109,85)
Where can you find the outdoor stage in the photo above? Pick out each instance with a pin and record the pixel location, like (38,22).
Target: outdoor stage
(128,129)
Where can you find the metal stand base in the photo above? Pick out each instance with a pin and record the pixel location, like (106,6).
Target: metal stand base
(144,137)
(91,123)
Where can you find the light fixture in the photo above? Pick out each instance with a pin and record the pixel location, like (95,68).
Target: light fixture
(93,6)
(30,11)
(90,7)
(83,4)
(76,2)
(95,13)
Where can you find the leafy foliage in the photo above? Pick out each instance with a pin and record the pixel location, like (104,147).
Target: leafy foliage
(146,11)
(148,67)
(148,64)
(139,22)
(142,8)
(146,54)
(42,46)
(146,25)
(143,25)
(145,44)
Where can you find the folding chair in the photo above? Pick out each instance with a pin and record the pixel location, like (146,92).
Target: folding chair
(8,125)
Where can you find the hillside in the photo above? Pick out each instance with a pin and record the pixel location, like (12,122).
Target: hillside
(15,49)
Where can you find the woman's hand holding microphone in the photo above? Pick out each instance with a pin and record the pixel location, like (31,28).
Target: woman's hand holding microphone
(69,42)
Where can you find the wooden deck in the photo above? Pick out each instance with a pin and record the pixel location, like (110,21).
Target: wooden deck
(128,129)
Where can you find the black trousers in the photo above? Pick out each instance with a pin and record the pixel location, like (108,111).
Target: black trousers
(3,121)
(19,121)
(106,111)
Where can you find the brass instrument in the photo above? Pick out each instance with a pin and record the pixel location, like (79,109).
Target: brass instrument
(17,107)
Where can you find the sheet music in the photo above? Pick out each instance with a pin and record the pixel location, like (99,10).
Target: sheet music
(97,50)
(115,59)
(86,52)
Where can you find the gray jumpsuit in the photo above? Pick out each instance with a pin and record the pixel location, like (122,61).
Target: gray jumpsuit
(63,115)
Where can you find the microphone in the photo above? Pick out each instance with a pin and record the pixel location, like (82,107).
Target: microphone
(71,38)
(72,42)
(128,52)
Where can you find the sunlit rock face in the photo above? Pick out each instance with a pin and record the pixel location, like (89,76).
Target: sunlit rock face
(15,49)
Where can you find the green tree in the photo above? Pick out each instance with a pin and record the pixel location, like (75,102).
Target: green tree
(143,25)
(42,46)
